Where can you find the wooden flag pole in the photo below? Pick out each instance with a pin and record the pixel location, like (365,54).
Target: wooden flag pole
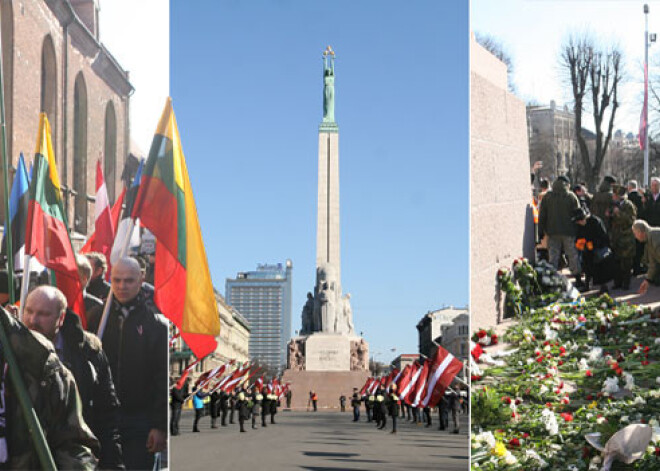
(108,301)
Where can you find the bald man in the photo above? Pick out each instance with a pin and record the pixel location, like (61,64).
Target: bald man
(135,341)
(46,312)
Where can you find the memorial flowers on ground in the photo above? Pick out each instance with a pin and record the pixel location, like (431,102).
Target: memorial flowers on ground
(570,369)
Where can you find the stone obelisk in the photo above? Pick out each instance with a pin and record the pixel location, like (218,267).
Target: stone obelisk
(327,226)
(327,357)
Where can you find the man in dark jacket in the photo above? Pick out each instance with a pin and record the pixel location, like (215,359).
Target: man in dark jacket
(393,406)
(602,200)
(135,341)
(557,210)
(215,408)
(177,398)
(85,272)
(224,407)
(46,312)
(52,390)
(651,213)
(355,404)
(97,285)
(598,261)
(265,408)
(623,215)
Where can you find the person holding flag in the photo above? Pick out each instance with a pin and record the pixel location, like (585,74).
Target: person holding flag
(393,405)
(135,341)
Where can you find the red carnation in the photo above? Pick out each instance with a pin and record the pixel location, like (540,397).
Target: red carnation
(481,334)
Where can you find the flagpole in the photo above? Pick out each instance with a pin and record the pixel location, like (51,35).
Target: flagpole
(5,171)
(24,286)
(108,301)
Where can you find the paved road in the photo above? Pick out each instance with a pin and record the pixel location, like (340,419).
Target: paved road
(322,441)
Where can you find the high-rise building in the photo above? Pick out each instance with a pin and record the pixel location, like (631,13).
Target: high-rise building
(264,298)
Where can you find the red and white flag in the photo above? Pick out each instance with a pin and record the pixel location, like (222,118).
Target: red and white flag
(104,229)
(260,383)
(374,386)
(420,386)
(400,378)
(235,378)
(184,375)
(407,383)
(443,370)
(366,386)
(390,377)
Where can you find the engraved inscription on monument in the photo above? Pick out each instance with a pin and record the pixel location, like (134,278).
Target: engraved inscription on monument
(327,353)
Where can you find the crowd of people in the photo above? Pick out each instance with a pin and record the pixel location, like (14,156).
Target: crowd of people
(243,404)
(102,402)
(385,402)
(609,236)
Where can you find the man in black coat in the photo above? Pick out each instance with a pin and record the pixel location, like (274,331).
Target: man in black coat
(265,407)
(355,403)
(243,409)
(81,352)
(215,408)
(598,263)
(97,285)
(224,407)
(393,406)
(136,343)
(177,398)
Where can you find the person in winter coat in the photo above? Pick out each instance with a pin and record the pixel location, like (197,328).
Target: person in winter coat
(257,399)
(243,408)
(557,209)
(623,215)
(198,404)
(81,352)
(592,242)
(393,406)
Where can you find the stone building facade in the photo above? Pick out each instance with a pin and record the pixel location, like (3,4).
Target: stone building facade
(501,222)
(233,343)
(433,325)
(551,134)
(53,61)
(456,337)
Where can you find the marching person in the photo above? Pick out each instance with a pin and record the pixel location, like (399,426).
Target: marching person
(81,352)
(198,404)
(243,409)
(342,403)
(215,408)
(224,406)
(455,405)
(382,409)
(265,408)
(257,397)
(232,406)
(443,412)
(369,406)
(177,398)
(273,406)
(355,403)
(135,342)
(393,406)
(427,416)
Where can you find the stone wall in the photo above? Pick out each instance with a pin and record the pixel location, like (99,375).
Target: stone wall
(37,26)
(500,190)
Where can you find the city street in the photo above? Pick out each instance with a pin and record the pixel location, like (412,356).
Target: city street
(323,441)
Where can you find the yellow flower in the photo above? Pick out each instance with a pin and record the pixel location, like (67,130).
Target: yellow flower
(592,405)
(499,449)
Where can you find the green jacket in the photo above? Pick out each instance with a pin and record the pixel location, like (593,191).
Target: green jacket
(652,253)
(557,209)
(53,392)
(622,237)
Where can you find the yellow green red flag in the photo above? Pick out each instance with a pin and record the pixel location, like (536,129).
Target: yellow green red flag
(165,205)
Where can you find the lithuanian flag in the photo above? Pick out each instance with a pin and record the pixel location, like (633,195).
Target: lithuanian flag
(46,235)
(165,206)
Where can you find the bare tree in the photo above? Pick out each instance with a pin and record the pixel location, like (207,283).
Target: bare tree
(594,74)
(493,46)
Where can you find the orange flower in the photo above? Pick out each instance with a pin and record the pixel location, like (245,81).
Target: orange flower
(590,245)
(580,243)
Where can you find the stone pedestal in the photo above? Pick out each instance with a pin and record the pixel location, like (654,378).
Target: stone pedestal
(327,352)
(328,385)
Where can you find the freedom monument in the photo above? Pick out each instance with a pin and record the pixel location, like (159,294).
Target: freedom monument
(327,357)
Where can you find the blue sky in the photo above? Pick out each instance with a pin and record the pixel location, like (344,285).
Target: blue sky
(246,83)
(534,46)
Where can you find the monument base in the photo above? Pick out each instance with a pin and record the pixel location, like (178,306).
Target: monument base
(328,385)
